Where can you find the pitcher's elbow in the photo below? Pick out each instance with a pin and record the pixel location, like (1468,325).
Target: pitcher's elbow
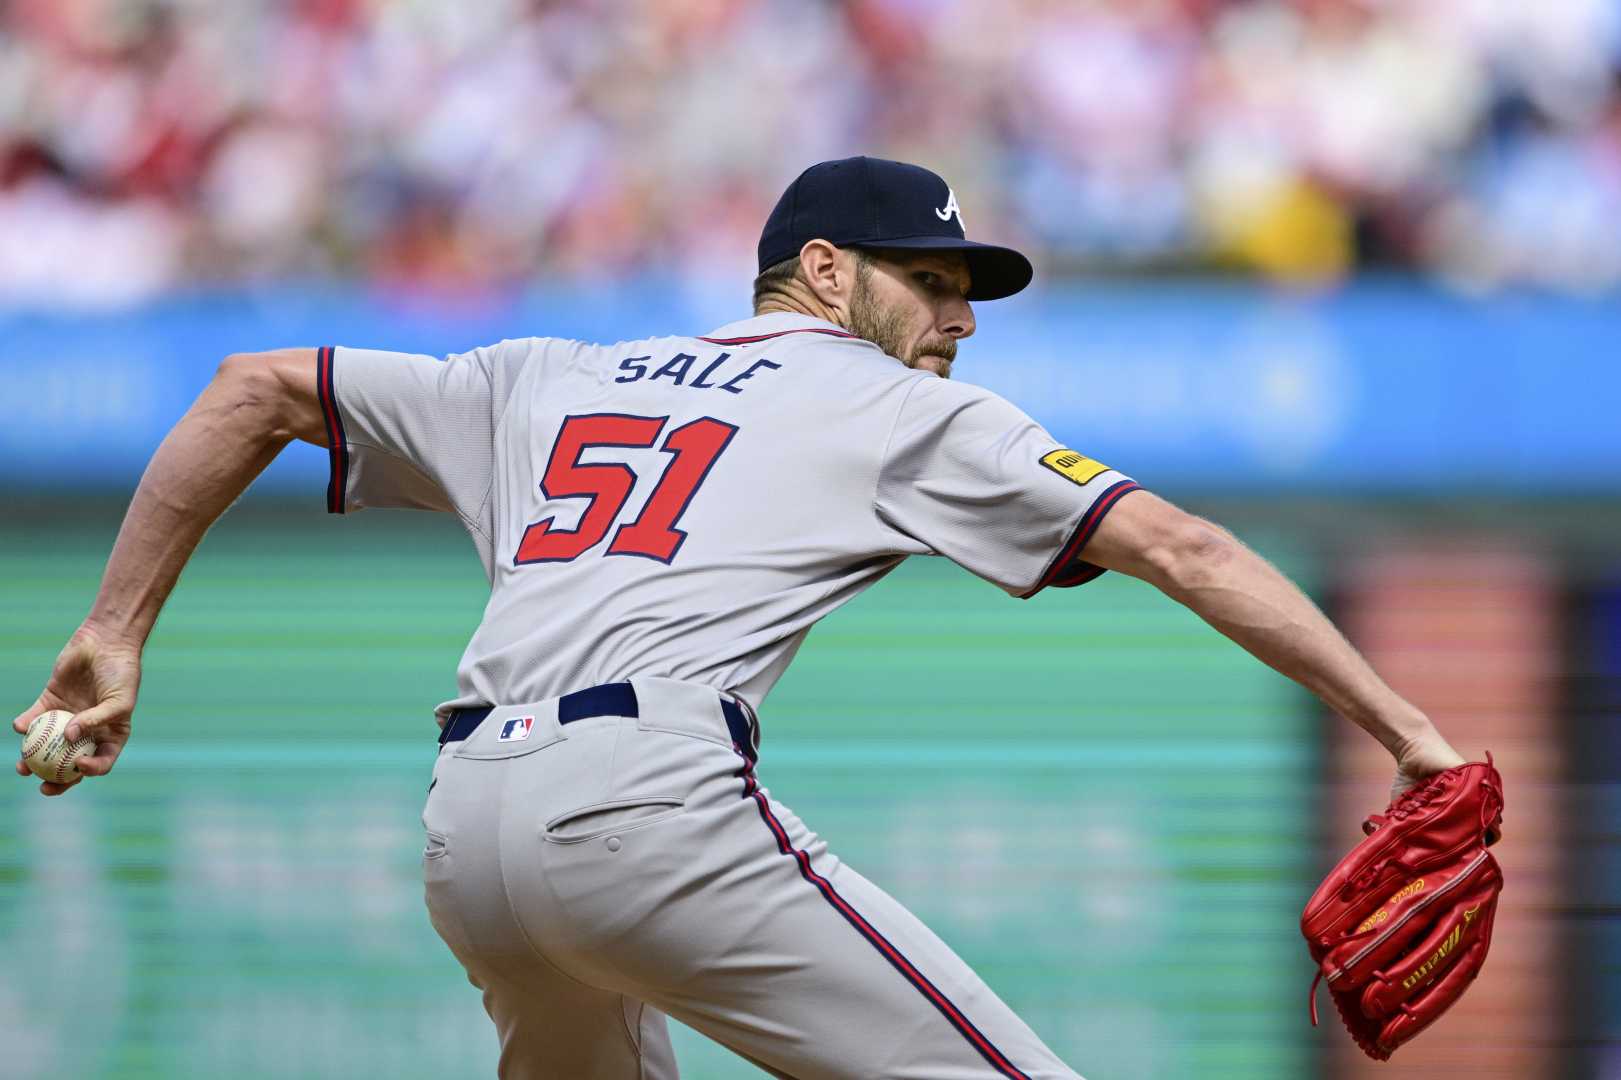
(245,376)
(247,389)
(274,392)
(1194,553)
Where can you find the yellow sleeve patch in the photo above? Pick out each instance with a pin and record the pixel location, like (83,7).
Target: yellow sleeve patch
(1073,466)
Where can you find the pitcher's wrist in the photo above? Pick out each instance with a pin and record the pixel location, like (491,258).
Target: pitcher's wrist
(112,632)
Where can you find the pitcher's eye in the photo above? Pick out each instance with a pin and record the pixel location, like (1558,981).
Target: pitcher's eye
(928,280)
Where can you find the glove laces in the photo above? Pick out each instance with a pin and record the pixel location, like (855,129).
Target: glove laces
(1411,801)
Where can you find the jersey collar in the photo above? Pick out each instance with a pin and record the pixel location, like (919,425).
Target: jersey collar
(774,322)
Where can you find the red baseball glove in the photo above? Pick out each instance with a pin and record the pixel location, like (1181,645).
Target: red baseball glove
(1401,926)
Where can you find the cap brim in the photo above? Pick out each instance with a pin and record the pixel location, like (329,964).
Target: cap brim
(994,272)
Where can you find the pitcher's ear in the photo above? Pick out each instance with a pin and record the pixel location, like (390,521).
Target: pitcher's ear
(829,272)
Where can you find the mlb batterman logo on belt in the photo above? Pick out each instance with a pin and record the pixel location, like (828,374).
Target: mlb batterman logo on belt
(516,729)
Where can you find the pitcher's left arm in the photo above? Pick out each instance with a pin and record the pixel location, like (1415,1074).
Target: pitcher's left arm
(255,405)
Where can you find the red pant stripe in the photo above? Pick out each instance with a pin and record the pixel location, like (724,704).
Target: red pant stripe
(975,1037)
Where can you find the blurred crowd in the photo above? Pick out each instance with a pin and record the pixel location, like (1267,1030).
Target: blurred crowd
(463,146)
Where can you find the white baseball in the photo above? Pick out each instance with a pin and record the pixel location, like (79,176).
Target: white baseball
(46,750)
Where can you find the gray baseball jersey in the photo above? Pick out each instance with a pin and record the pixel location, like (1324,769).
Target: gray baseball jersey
(673,515)
(688,507)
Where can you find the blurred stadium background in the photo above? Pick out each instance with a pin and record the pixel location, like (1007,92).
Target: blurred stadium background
(1341,273)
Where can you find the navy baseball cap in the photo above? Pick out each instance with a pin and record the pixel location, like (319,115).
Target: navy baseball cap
(868,202)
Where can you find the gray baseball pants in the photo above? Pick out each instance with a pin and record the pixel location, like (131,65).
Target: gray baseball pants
(596,875)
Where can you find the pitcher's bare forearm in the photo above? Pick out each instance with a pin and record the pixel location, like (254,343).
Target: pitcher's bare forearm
(1242,595)
(1247,599)
(255,405)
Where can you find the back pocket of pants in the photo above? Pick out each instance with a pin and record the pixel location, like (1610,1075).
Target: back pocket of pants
(614,816)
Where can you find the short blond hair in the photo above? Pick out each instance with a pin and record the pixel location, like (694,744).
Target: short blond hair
(774,277)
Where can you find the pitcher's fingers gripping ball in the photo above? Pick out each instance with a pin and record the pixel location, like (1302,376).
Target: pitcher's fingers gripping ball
(48,753)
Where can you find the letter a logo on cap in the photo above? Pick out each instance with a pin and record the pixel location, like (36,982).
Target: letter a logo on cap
(944,212)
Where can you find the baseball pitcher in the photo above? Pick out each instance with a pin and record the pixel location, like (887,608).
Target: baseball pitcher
(662,521)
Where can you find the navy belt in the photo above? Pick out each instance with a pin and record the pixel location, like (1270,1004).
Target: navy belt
(609,699)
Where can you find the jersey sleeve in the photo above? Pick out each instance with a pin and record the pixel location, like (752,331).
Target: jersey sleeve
(974,479)
(415,431)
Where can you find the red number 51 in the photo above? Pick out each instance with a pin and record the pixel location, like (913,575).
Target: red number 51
(607,485)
